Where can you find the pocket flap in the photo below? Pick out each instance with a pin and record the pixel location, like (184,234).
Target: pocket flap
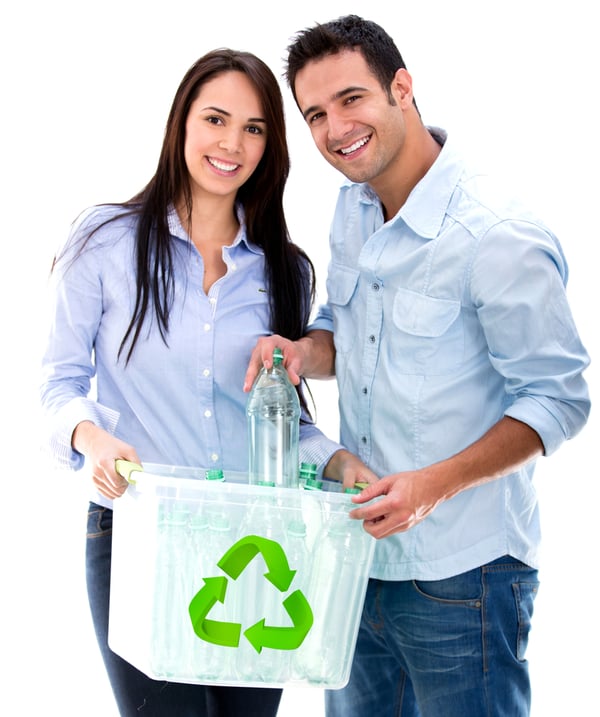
(422,315)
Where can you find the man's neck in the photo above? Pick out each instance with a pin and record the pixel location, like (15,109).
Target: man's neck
(419,153)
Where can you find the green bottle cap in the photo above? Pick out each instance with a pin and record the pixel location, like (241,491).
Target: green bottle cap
(277,356)
(313,484)
(297,528)
(214,474)
(308,469)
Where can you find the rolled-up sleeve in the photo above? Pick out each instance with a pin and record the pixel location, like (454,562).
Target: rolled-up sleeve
(518,285)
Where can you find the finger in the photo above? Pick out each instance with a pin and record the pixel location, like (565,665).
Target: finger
(253,369)
(369,512)
(384,527)
(374,489)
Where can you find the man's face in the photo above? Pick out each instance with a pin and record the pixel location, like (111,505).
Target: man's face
(350,116)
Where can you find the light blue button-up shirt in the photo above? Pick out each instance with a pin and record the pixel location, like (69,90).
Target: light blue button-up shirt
(446,318)
(178,404)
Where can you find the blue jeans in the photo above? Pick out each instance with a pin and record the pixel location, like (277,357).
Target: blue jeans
(136,694)
(444,648)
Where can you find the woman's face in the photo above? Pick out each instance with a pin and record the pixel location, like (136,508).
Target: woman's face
(226,135)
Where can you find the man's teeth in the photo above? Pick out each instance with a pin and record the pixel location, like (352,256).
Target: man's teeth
(353,147)
(223,166)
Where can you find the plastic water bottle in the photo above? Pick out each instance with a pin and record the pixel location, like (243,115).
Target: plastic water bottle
(262,599)
(299,560)
(212,536)
(216,662)
(170,630)
(333,595)
(273,427)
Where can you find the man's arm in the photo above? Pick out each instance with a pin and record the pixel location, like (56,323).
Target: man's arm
(312,356)
(411,496)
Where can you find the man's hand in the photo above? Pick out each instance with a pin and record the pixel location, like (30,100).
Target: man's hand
(102,450)
(411,496)
(408,498)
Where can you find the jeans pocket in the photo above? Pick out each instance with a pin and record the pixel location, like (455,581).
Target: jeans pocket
(99,521)
(524,593)
(461,589)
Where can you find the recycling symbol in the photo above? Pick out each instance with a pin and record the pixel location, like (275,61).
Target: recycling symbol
(260,635)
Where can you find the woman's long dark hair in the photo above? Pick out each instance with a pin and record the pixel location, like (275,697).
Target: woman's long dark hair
(290,274)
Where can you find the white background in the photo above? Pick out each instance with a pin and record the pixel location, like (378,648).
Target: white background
(86,89)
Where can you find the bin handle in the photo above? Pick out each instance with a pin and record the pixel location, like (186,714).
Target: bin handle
(126,468)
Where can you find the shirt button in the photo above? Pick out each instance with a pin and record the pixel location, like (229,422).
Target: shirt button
(206,372)
(214,457)
(207,327)
(372,338)
(364,439)
(207,413)
(375,286)
(365,390)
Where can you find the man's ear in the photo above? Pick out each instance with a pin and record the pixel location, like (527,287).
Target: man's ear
(401,88)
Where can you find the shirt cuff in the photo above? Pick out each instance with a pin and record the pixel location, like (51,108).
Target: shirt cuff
(64,422)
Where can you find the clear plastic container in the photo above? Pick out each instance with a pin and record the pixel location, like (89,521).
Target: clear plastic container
(282,583)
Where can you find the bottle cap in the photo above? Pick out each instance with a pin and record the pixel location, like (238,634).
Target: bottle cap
(313,484)
(219,522)
(268,483)
(214,474)
(199,522)
(277,356)
(308,469)
(297,528)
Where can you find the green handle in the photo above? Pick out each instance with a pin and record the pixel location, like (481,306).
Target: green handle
(126,468)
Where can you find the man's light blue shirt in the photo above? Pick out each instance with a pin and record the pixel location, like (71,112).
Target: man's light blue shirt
(180,403)
(446,318)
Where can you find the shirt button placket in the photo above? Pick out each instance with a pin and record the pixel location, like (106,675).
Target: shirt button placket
(374,308)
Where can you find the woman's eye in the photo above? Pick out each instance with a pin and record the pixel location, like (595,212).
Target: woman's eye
(253,129)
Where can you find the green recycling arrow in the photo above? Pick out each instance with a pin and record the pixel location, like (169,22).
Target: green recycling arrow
(241,553)
(284,638)
(219,633)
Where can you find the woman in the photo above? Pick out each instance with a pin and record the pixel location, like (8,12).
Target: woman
(161,299)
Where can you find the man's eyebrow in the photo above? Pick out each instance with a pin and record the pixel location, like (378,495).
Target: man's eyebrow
(336,96)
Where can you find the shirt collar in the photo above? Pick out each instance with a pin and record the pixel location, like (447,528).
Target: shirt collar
(176,229)
(427,204)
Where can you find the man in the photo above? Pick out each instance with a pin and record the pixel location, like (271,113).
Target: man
(458,364)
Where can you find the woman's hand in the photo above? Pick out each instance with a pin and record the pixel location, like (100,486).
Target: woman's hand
(347,468)
(102,450)
(312,356)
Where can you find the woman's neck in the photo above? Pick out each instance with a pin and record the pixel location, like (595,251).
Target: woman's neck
(211,226)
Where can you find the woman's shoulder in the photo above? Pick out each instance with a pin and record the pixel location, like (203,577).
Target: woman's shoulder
(105,221)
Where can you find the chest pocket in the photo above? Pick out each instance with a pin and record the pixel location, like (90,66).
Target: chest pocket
(341,287)
(430,338)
